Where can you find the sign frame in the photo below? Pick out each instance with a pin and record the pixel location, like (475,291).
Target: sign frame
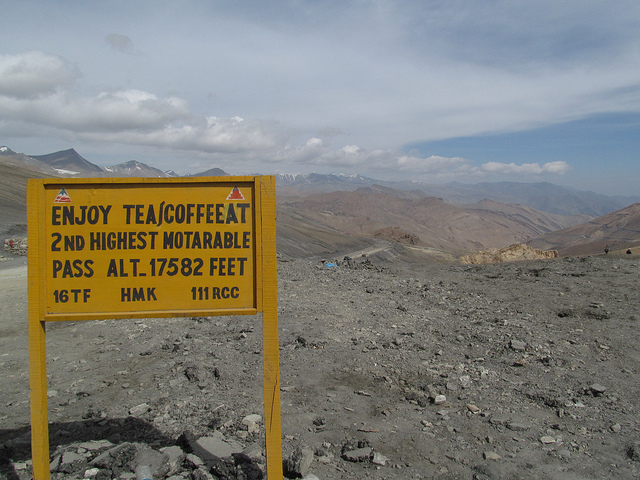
(264,300)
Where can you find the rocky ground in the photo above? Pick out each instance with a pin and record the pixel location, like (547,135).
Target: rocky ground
(527,370)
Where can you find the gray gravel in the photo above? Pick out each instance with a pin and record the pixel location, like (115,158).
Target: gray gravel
(526,370)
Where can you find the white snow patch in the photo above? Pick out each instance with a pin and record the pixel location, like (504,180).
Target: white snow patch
(66,172)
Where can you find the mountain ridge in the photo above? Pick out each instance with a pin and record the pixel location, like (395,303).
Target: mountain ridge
(325,214)
(68,161)
(133,168)
(429,222)
(542,196)
(619,230)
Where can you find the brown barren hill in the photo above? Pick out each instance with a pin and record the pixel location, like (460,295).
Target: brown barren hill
(13,196)
(368,211)
(618,230)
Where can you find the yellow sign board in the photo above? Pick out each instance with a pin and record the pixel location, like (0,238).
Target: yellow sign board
(154,248)
(141,248)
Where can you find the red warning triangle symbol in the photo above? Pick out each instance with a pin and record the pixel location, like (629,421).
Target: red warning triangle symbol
(62,197)
(235,194)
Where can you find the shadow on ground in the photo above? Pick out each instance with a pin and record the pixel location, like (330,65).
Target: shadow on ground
(15,444)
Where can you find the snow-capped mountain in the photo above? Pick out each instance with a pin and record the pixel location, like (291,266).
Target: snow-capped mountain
(133,168)
(6,151)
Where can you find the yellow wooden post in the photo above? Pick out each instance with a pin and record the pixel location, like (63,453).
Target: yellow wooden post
(37,344)
(271,354)
(39,407)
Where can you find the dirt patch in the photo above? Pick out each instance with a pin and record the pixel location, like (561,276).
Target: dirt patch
(395,234)
(513,253)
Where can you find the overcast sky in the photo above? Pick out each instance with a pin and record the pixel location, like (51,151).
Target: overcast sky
(437,91)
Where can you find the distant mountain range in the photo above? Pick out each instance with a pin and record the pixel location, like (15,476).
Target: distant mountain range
(541,196)
(136,169)
(69,163)
(326,214)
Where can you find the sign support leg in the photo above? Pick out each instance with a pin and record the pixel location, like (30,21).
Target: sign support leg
(271,347)
(37,337)
(39,404)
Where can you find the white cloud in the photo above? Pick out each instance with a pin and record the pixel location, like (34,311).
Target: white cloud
(39,92)
(351,150)
(558,167)
(34,90)
(31,74)
(106,112)
(396,164)
(214,136)
(432,164)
